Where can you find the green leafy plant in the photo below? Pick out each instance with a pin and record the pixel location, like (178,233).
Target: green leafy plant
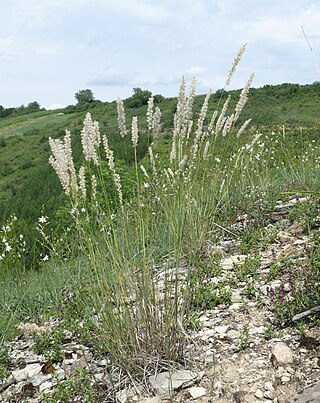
(77,389)
(244,339)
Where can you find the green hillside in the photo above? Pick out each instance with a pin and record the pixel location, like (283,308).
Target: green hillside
(156,230)
(27,182)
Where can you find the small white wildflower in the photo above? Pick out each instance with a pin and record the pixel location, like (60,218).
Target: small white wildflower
(8,247)
(146,185)
(83,210)
(4,240)
(42,219)
(45,258)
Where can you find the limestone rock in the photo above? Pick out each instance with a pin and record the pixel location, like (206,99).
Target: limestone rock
(197,392)
(166,383)
(27,372)
(309,395)
(228,263)
(282,354)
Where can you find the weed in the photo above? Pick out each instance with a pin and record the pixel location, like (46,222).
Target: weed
(49,344)
(244,339)
(4,372)
(269,332)
(274,271)
(249,268)
(77,389)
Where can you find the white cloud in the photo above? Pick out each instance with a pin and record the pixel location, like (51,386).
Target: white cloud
(49,49)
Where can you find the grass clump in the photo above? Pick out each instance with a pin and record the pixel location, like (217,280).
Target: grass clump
(139,213)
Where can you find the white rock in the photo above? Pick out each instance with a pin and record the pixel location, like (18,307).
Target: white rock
(257,330)
(37,379)
(155,399)
(285,238)
(274,285)
(259,394)
(165,382)
(269,386)
(235,307)
(222,330)
(233,334)
(282,354)
(229,262)
(26,372)
(45,386)
(197,392)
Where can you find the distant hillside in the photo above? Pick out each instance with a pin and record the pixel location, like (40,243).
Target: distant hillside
(27,181)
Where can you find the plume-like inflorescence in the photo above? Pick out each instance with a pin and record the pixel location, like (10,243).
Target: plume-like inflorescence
(62,163)
(243,98)
(82,181)
(221,119)
(212,121)
(189,101)
(150,114)
(121,118)
(202,116)
(182,120)
(243,127)
(199,133)
(134,131)
(90,139)
(227,125)
(156,124)
(206,150)
(115,175)
(235,63)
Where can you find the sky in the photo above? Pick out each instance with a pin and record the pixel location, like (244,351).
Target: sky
(50,49)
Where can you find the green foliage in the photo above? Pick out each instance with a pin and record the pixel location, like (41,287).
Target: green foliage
(249,268)
(244,339)
(21,110)
(206,289)
(84,96)
(77,389)
(166,220)
(4,372)
(139,98)
(304,286)
(49,344)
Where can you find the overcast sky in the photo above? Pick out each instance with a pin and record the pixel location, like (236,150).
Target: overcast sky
(50,49)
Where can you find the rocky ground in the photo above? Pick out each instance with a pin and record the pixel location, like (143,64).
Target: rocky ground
(238,354)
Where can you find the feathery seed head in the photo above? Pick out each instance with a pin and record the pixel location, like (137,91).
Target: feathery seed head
(243,127)
(134,131)
(62,163)
(150,114)
(156,123)
(90,139)
(235,63)
(82,182)
(121,118)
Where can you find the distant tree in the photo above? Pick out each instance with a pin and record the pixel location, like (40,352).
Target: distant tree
(33,106)
(140,97)
(158,98)
(84,96)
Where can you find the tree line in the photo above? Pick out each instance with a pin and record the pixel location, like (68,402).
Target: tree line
(20,110)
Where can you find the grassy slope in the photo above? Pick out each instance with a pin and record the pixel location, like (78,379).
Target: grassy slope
(39,294)
(24,149)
